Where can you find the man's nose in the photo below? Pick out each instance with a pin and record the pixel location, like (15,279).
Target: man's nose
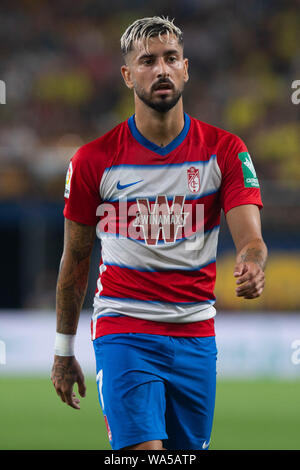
(162,68)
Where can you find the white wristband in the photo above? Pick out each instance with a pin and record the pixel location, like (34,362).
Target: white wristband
(64,345)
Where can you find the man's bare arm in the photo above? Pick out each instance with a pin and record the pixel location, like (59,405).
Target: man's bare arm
(73,275)
(245,227)
(70,293)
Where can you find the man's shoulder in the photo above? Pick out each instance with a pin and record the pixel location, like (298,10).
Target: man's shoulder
(214,136)
(104,146)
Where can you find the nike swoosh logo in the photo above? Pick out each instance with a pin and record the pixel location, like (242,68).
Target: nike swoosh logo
(123,186)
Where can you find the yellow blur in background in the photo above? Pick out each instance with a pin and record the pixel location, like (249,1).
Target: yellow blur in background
(282,287)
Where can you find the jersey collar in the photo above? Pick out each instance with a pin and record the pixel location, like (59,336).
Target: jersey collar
(154,147)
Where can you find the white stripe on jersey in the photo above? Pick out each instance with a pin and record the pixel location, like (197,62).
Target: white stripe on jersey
(171,177)
(124,252)
(154,310)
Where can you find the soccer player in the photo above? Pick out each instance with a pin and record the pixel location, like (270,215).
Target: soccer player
(153,189)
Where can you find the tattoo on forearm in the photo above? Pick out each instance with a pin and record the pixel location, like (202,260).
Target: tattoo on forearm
(73,276)
(70,293)
(255,255)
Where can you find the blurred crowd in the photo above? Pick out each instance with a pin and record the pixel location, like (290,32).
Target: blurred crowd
(60,61)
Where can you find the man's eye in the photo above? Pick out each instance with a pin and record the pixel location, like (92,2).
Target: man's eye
(148,61)
(172,59)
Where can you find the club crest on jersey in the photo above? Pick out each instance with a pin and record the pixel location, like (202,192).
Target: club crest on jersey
(193,179)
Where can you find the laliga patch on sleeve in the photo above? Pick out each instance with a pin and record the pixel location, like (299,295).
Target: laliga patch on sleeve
(68,180)
(249,173)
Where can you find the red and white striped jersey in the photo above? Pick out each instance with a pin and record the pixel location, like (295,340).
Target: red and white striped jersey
(157,212)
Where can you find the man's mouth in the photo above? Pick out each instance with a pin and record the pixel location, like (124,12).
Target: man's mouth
(163,86)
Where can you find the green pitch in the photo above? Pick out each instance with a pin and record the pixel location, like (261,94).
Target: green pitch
(249,415)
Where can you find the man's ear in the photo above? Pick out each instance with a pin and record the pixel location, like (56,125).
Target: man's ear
(186,68)
(125,71)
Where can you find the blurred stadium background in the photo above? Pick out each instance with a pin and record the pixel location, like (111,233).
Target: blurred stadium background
(60,62)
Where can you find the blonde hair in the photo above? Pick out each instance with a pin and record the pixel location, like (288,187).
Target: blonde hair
(146,28)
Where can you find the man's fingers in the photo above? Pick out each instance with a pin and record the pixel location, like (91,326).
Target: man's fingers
(244,288)
(250,274)
(255,295)
(60,394)
(245,277)
(75,401)
(81,386)
(58,389)
(67,396)
(251,290)
(253,281)
(240,269)
(71,400)
(247,287)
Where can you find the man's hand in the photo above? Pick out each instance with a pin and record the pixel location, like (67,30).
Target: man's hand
(65,372)
(250,279)
(245,227)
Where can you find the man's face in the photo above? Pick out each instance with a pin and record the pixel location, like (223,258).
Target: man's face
(157,75)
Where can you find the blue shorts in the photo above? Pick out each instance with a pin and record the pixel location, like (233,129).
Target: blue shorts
(154,387)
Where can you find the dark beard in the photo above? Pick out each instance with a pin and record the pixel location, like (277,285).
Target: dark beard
(161,106)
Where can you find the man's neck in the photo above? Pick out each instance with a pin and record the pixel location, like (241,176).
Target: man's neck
(160,128)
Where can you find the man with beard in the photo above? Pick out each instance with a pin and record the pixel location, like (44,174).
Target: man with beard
(156,184)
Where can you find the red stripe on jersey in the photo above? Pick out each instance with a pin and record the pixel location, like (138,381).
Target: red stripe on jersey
(125,324)
(165,286)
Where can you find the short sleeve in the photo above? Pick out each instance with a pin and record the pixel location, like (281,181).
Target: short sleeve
(239,184)
(82,196)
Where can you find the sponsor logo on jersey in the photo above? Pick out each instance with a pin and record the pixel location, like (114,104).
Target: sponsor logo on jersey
(161,218)
(193,179)
(68,180)
(249,173)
